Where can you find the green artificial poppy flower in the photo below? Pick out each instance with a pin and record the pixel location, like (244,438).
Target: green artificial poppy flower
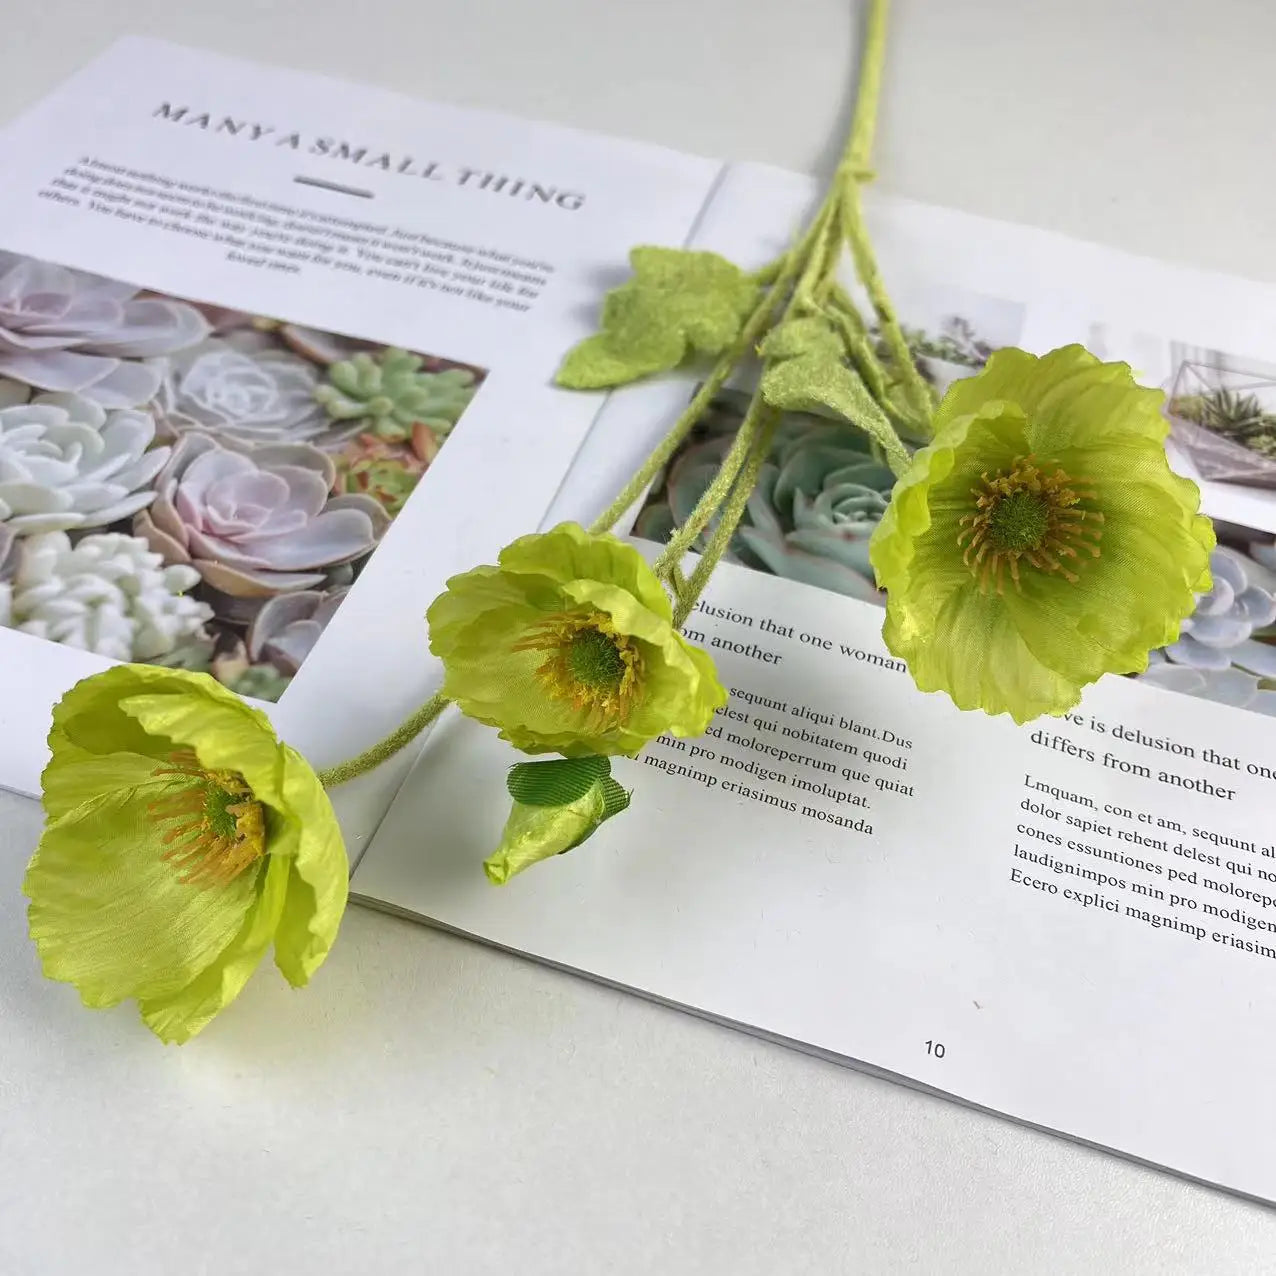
(182,839)
(557,806)
(1041,540)
(568,647)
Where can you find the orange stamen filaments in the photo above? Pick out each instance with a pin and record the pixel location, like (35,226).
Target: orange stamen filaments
(221,827)
(588,664)
(1028,515)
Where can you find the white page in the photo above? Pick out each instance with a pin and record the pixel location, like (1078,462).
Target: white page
(464,236)
(836,865)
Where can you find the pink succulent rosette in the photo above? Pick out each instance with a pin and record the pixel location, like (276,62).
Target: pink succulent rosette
(287,627)
(257,523)
(67,330)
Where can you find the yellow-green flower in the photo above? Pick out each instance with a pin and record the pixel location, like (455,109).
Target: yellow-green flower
(568,647)
(557,805)
(182,839)
(1041,540)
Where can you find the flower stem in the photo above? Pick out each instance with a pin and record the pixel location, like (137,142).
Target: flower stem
(920,394)
(819,262)
(739,471)
(838,220)
(707,506)
(777,277)
(859,145)
(770,420)
(690,416)
(844,315)
(811,263)
(399,738)
(854,171)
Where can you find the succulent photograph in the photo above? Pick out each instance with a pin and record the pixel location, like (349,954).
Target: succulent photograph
(187,485)
(820,495)
(1227,648)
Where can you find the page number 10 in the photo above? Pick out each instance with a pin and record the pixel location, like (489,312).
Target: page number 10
(936,1048)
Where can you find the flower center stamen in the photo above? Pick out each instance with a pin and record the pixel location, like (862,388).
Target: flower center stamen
(594,659)
(587,664)
(1027,514)
(1019,521)
(222,828)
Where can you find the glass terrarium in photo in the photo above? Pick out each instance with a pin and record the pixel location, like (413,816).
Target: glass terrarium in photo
(1224,418)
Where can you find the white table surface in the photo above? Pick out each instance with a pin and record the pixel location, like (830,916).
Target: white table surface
(431,1106)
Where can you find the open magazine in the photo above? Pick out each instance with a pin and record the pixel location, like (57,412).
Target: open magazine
(1072,922)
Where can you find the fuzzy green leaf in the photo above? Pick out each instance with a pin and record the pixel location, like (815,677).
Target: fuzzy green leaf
(812,336)
(677,302)
(557,782)
(821,383)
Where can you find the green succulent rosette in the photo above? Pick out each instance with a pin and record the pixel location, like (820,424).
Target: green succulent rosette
(1041,540)
(391,394)
(568,646)
(182,840)
(557,806)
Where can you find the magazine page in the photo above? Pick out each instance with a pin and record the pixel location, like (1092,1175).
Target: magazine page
(1071,922)
(276,357)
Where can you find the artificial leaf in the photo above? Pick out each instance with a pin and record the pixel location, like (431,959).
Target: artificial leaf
(615,798)
(794,338)
(822,383)
(677,302)
(557,782)
(595,364)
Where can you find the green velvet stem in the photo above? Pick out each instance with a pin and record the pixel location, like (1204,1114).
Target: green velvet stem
(731,515)
(818,255)
(852,172)
(839,218)
(819,261)
(844,314)
(783,270)
(770,272)
(399,738)
(811,261)
(859,145)
(707,506)
(686,422)
(919,393)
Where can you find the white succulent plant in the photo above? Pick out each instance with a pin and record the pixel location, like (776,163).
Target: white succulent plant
(108,594)
(242,386)
(8,553)
(67,462)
